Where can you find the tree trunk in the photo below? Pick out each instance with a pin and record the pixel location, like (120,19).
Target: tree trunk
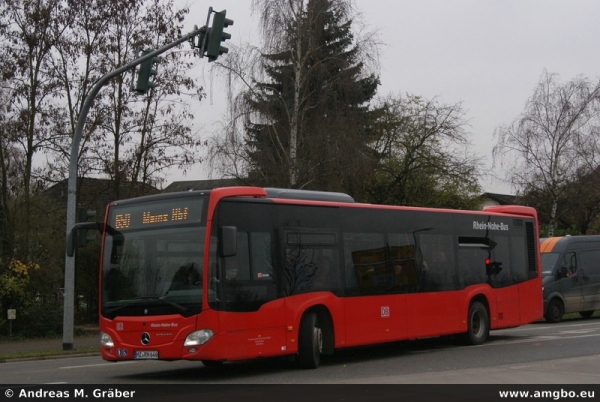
(552,218)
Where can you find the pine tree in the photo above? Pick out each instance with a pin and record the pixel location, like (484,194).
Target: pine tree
(316,92)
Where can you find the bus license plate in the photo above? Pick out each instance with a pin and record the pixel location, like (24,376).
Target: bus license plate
(145,354)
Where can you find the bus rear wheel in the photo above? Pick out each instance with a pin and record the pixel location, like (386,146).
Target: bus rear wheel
(310,341)
(478,324)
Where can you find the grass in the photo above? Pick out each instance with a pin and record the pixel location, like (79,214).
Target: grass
(574,316)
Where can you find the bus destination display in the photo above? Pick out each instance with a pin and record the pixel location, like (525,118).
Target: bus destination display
(171,212)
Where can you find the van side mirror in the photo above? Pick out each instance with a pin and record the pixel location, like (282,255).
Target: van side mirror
(227,241)
(563,273)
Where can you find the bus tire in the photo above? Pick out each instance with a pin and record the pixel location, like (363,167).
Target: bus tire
(310,341)
(586,314)
(478,324)
(555,311)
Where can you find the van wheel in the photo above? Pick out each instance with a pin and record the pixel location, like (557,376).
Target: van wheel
(310,342)
(586,314)
(555,311)
(478,324)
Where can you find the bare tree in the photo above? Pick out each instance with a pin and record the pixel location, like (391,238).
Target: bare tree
(76,66)
(33,31)
(130,138)
(584,201)
(542,148)
(422,149)
(11,166)
(164,136)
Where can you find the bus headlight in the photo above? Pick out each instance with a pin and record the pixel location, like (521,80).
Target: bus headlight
(198,337)
(106,340)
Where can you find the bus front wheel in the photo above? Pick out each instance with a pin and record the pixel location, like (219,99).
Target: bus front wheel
(310,341)
(478,324)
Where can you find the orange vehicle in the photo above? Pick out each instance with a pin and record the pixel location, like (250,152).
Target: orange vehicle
(244,272)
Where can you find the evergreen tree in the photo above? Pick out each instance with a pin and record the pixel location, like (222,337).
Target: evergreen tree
(307,126)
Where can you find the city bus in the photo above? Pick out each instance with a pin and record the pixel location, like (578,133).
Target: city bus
(241,273)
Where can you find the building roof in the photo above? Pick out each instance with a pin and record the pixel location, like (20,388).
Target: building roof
(98,193)
(501,199)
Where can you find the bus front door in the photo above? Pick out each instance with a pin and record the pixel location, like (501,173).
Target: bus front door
(251,317)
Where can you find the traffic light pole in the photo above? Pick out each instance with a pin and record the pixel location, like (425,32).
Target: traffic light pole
(69,294)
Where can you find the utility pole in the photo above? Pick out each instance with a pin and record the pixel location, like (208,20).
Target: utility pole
(69,295)
(209,45)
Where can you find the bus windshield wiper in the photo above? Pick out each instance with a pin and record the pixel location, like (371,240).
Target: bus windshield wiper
(111,313)
(178,307)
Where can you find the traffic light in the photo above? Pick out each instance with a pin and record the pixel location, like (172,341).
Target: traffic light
(492,268)
(145,72)
(216,36)
(84,216)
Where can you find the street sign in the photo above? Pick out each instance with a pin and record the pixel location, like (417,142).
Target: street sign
(12,314)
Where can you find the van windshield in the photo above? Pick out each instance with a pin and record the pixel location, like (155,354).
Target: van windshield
(548,263)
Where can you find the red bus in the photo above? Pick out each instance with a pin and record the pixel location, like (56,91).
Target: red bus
(243,272)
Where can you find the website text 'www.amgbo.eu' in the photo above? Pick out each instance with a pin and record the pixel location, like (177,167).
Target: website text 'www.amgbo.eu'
(554,395)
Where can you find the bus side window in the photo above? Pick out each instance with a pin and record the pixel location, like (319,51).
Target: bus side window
(327,273)
(518,256)
(438,257)
(261,255)
(238,266)
(351,285)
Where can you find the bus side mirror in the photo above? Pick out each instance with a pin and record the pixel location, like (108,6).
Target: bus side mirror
(228,241)
(72,238)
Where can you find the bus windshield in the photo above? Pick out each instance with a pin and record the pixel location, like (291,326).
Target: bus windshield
(153,257)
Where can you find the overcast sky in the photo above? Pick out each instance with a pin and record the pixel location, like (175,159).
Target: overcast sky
(487,54)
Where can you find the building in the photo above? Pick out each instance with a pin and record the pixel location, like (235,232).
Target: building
(97,193)
(492,199)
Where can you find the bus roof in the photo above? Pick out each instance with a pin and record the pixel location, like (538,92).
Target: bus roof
(310,196)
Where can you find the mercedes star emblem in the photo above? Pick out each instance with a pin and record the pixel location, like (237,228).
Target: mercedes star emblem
(145,338)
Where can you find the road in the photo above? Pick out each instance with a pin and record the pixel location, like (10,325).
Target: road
(540,353)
